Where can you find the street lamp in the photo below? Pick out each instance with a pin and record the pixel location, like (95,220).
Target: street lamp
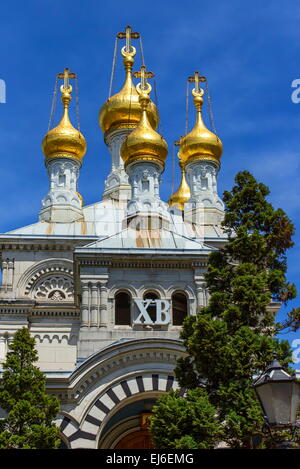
(279,396)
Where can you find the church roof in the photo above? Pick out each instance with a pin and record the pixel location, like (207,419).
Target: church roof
(160,239)
(104,220)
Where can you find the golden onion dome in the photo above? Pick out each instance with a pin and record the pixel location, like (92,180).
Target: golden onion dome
(183,193)
(64,141)
(144,143)
(123,109)
(200,144)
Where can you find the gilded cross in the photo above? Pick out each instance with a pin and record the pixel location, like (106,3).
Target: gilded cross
(196,79)
(128,35)
(143,75)
(66,75)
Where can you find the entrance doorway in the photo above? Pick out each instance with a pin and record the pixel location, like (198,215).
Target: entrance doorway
(129,427)
(136,440)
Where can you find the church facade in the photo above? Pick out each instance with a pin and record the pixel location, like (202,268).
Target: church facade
(105,288)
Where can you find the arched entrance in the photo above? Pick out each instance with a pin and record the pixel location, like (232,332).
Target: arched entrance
(129,428)
(140,371)
(136,440)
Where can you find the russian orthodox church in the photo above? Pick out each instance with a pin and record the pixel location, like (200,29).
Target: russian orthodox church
(105,288)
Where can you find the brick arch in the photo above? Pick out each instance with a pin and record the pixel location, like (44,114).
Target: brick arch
(138,385)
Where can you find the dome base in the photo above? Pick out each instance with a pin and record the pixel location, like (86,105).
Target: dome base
(61,214)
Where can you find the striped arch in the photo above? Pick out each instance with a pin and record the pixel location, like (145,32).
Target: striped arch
(86,435)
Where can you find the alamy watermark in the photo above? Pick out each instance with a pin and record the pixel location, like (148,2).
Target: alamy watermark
(296,350)
(295,96)
(2,91)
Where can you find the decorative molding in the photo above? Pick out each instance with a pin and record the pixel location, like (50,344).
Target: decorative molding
(43,268)
(202,179)
(121,286)
(187,289)
(136,387)
(120,363)
(71,312)
(18,311)
(55,338)
(56,288)
(144,263)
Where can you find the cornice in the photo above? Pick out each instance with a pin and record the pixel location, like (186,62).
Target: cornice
(34,310)
(146,261)
(43,242)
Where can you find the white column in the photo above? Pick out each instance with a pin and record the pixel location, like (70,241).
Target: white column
(85,305)
(4,273)
(103,305)
(94,305)
(10,274)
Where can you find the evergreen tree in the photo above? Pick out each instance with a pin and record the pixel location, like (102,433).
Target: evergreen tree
(232,339)
(191,422)
(30,411)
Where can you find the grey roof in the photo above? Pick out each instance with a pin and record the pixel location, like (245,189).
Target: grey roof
(160,239)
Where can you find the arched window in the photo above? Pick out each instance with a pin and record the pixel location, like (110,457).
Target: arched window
(179,308)
(151,310)
(122,309)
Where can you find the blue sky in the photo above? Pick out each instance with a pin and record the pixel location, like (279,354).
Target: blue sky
(250,52)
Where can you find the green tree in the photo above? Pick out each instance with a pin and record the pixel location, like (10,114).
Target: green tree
(30,411)
(185,422)
(232,339)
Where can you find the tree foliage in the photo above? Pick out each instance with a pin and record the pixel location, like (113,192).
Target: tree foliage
(30,411)
(191,421)
(232,339)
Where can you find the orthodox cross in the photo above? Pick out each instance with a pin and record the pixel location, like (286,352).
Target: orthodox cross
(143,75)
(196,79)
(128,35)
(66,75)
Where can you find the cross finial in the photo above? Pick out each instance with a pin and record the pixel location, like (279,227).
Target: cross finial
(197,91)
(128,35)
(66,75)
(197,79)
(143,75)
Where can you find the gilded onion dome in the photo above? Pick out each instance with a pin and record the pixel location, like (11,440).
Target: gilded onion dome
(123,109)
(200,144)
(64,141)
(183,193)
(144,143)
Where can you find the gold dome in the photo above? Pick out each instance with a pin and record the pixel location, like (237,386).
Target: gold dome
(144,143)
(123,109)
(64,141)
(200,144)
(183,193)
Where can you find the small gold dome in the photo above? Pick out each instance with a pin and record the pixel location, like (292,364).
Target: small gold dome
(200,144)
(123,109)
(183,193)
(144,143)
(64,141)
